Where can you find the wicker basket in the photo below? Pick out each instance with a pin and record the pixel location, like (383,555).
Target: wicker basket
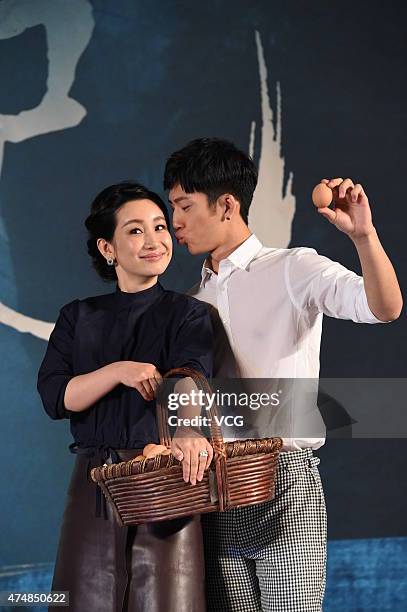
(148,490)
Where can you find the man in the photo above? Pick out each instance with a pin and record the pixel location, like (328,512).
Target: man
(272,556)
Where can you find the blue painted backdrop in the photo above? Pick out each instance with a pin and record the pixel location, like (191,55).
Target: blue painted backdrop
(97,92)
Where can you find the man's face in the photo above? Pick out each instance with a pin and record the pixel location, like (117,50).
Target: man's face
(196,224)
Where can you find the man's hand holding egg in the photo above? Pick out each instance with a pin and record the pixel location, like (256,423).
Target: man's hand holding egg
(350,212)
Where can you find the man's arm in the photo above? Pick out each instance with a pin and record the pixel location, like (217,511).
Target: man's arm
(351,214)
(380,280)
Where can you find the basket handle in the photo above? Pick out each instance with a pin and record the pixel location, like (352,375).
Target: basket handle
(216,437)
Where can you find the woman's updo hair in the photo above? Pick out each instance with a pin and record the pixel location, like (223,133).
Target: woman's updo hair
(101,223)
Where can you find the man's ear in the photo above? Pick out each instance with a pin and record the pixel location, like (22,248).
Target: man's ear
(229,205)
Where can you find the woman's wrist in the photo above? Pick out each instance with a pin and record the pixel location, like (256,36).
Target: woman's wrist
(115,370)
(186,431)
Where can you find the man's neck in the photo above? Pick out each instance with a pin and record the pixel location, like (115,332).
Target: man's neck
(224,250)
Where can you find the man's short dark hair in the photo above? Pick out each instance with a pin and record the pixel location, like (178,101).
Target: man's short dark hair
(214,167)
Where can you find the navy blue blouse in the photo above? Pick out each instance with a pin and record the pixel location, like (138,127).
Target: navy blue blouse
(155,326)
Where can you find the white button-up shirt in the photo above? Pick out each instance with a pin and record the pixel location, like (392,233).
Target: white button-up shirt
(271,303)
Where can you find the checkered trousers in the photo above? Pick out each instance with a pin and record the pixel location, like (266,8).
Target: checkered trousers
(271,557)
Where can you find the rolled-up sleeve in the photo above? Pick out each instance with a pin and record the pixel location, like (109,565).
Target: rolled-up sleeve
(193,342)
(56,368)
(321,285)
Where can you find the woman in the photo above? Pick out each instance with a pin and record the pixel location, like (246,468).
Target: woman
(103,363)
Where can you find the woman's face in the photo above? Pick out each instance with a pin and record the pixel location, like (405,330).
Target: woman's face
(142,244)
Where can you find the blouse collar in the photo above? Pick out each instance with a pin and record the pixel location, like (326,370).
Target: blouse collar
(138,298)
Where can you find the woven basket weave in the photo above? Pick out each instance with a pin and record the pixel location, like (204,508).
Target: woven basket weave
(148,490)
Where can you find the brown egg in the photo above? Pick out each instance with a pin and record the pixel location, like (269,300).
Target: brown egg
(322,196)
(157,450)
(148,448)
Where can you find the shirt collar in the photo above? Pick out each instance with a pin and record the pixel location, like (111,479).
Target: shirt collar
(240,257)
(246,252)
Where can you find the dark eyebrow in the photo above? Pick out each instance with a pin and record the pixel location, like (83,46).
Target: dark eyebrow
(179,199)
(141,221)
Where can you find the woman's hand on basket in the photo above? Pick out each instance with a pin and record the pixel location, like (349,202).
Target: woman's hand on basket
(141,376)
(190,447)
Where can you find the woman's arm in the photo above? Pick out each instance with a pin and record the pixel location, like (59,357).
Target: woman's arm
(63,393)
(187,441)
(193,348)
(84,390)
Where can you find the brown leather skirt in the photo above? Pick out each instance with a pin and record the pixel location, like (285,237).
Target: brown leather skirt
(155,567)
